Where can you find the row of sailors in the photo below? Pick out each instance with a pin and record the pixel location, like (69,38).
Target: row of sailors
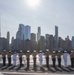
(40,54)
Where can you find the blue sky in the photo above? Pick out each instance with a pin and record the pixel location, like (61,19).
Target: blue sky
(47,14)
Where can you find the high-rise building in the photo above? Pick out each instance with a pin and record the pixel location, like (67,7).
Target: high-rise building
(0,24)
(20,32)
(33,42)
(73,42)
(8,36)
(51,43)
(12,44)
(24,32)
(47,37)
(33,37)
(60,43)
(68,43)
(39,33)
(41,43)
(27,32)
(56,38)
(8,39)
(3,44)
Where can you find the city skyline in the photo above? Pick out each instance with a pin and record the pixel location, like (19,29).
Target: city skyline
(55,32)
(25,40)
(46,14)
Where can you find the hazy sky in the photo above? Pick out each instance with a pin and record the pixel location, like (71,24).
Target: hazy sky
(46,14)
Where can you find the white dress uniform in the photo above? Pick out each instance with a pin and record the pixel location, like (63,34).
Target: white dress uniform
(40,59)
(14,59)
(65,55)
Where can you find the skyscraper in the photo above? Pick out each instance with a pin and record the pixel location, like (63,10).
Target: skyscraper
(0,24)
(56,37)
(24,32)
(60,43)
(8,36)
(67,43)
(3,44)
(47,37)
(33,37)
(27,32)
(8,39)
(41,43)
(73,42)
(39,33)
(12,43)
(33,42)
(51,43)
(20,32)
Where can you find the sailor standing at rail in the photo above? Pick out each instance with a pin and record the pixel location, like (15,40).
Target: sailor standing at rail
(54,58)
(41,60)
(20,60)
(20,57)
(59,58)
(72,58)
(65,55)
(14,59)
(28,60)
(47,58)
(4,57)
(0,56)
(9,58)
(34,60)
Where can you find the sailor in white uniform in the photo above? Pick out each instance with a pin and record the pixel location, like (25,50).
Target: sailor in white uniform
(65,55)
(40,58)
(14,58)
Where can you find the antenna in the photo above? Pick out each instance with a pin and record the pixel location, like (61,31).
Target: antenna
(0,24)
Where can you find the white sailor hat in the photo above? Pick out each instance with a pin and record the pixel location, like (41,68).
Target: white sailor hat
(59,51)
(15,52)
(47,49)
(4,50)
(9,50)
(71,51)
(20,50)
(53,51)
(65,51)
(28,51)
(34,50)
(40,51)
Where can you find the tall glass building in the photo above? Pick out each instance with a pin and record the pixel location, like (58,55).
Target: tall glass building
(24,32)
(56,37)
(72,42)
(27,32)
(39,33)
(20,32)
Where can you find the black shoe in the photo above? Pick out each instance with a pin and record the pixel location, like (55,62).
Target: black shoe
(48,69)
(35,69)
(11,67)
(26,69)
(1,66)
(42,69)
